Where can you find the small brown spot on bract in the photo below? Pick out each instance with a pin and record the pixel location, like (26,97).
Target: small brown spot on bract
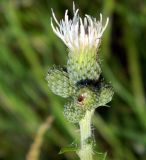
(81,98)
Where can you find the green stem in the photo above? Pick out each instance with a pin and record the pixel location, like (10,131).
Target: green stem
(86,150)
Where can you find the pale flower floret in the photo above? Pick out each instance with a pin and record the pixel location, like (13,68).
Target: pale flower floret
(77,33)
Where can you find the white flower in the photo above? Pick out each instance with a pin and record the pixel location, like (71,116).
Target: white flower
(77,33)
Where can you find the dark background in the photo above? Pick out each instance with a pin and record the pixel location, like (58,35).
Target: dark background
(28,47)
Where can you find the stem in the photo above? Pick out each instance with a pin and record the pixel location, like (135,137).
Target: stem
(86,150)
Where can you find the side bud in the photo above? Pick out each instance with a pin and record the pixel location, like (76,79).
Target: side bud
(106,93)
(73,113)
(59,83)
(83,100)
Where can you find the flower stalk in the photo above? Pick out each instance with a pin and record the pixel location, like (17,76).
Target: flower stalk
(86,148)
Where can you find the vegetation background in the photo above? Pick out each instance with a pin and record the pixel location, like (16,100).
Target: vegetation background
(28,47)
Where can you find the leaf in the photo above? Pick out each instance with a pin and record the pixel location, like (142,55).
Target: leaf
(68,149)
(100,156)
(105,155)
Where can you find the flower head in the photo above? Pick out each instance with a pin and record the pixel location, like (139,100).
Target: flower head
(80,80)
(79,34)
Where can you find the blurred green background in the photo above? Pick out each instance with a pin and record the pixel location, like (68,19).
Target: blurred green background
(28,47)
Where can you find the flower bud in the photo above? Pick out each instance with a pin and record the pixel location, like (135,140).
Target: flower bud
(59,83)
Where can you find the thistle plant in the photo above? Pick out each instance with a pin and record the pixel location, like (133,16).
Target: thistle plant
(80,81)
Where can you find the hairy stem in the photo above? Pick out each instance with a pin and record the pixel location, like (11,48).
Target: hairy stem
(86,150)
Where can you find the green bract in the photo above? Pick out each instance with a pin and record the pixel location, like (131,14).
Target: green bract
(83,66)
